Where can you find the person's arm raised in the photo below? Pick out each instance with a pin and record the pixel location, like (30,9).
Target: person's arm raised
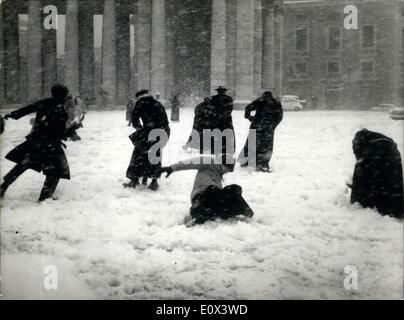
(191,164)
(19,113)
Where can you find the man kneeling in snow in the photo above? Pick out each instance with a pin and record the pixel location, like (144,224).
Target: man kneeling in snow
(209,199)
(378,176)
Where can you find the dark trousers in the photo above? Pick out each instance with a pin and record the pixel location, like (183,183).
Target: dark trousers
(263,149)
(48,188)
(216,203)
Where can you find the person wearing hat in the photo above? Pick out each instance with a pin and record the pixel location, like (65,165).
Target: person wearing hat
(223,108)
(268,115)
(148,114)
(42,150)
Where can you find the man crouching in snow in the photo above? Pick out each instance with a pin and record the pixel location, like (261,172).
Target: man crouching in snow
(209,199)
(43,148)
(378,177)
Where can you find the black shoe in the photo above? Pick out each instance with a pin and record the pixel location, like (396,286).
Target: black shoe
(43,198)
(248,213)
(144,181)
(153,185)
(263,169)
(75,137)
(132,184)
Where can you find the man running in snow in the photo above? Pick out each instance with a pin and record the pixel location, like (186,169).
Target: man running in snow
(43,148)
(208,197)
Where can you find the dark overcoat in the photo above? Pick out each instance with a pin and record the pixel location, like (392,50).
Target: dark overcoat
(378,175)
(268,115)
(205,118)
(211,114)
(43,149)
(147,115)
(2,124)
(223,105)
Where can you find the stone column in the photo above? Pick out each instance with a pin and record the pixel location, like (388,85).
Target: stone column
(122,51)
(34,56)
(218,49)
(72,79)
(245,52)
(2,60)
(397,74)
(231,27)
(170,52)
(143,35)
(268,50)
(49,57)
(86,50)
(158,48)
(109,53)
(133,76)
(258,48)
(278,48)
(12,48)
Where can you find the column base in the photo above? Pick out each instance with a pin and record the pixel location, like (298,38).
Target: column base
(240,104)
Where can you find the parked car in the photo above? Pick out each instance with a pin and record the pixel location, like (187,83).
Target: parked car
(291,103)
(397,113)
(386,107)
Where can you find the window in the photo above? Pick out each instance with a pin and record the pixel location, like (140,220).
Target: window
(368,36)
(300,67)
(301,39)
(333,67)
(334,38)
(367,66)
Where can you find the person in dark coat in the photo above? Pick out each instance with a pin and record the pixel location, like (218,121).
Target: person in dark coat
(43,148)
(152,115)
(1,124)
(205,117)
(223,108)
(378,176)
(129,109)
(175,109)
(268,115)
(209,199)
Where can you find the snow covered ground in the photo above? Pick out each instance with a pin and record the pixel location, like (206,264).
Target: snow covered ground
(108,242)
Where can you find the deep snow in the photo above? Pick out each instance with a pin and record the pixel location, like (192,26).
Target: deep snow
(133,244)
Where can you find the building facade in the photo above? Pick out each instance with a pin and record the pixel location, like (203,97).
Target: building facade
(333,67)
(181,47)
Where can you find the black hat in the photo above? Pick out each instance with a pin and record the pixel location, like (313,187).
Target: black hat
(59,91)
(221,88)
(141,93)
